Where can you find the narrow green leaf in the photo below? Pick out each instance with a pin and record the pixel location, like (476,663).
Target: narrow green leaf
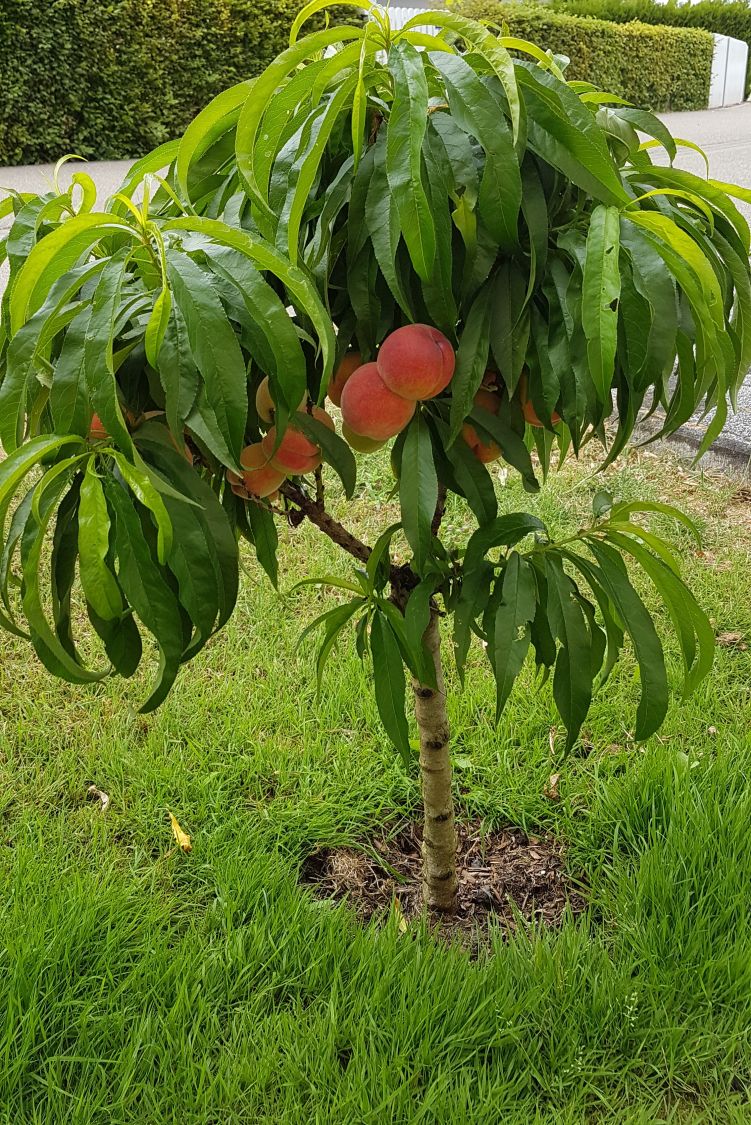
(572,680)
(601,289)
(99,583)
(418,491)
(407,124)
(143,584)
(265,539)
(653,704)
(388,676)
(509,641)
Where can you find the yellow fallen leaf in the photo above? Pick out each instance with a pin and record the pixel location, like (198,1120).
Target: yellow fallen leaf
(402,921)
(183,839)
(551,789)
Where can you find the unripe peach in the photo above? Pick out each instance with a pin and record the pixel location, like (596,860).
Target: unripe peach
(265,405)
(349,364)
(530,414)
(261,477)
(370,409)
(416,361)
(359,443)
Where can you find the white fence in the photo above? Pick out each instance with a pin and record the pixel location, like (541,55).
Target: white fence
(727,83)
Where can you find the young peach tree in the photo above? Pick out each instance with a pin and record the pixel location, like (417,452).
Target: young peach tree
(478,261)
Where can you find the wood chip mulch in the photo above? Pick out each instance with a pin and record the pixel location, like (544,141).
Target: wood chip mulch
(506,879)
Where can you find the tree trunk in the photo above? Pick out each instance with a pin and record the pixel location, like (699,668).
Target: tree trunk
(439,875)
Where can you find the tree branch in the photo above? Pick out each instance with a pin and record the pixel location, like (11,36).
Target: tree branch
(318,515)
(402,578)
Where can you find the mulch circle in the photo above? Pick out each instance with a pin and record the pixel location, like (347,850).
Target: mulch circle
(506,879)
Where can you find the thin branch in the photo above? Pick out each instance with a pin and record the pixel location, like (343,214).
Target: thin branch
(402,578)
(318,515)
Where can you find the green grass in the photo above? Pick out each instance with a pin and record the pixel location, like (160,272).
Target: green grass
(138,984)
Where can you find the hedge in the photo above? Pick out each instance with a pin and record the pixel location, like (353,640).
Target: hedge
(659,68)
(724,17)
(115,78)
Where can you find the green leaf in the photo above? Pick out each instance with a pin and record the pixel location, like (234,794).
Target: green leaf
(480,114)
(626,508)
(219,541)
(416,620)
(52,651)
(601,289)
(382,219)
(510,621)
(98,582)
(265,88)
(418,491)
(156,327)
(564,133)
(266,258)
(692,626)
(217,118)
(335,450)
(473,598)
(214,347)
(471,360)
(143,584)
(55,254)
(142,487)
(572,680)
(102,386)
(336,620)
(407,124)
(388,674)
(485,44)
(265,539)
(505,531)
(653,704)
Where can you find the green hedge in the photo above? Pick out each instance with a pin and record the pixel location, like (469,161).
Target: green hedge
(660,68)
(724,17)
(114,78)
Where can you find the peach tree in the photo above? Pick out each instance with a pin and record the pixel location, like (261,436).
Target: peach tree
(476,259)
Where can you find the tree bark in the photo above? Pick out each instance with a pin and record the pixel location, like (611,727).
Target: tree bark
(439,872)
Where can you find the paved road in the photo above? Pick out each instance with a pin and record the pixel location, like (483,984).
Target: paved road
(724,134)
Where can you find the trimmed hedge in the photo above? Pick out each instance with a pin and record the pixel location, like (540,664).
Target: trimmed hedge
(723,17)
(658,68)
(115,78)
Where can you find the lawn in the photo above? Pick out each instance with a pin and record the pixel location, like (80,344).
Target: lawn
(141,984)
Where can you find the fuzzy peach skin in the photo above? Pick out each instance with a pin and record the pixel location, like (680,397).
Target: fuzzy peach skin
(485,451)
(260,477)
(347,367)
(370,409)
(416,362)
(296,453)
(265,405)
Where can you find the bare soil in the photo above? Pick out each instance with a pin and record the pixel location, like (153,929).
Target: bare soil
(506,879)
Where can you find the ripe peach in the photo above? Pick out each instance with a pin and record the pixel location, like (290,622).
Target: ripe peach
(296,452)
(261,476)
(265,405)
(359,443)
(530,414)
(349,364)
(370,409)
(484,451)
(416,361)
